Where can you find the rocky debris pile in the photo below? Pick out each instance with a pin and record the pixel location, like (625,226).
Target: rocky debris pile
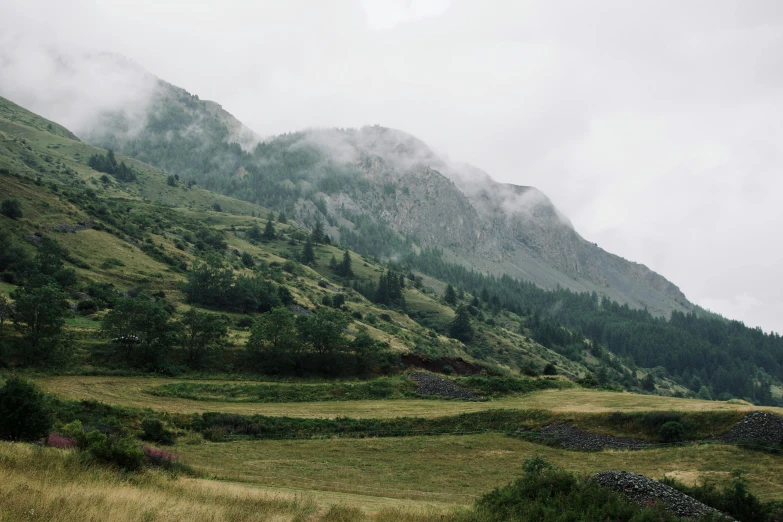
(65,227)
(568,436)
(298,310)
(757,426)
(431,384)
(32,238)
(646,491)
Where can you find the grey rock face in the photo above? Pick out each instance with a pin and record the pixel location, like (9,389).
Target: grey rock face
(492,227)
(645,491)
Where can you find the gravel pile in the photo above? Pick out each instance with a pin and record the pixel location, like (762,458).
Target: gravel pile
(431,384)
(574,438)
(645,491)
(757,426)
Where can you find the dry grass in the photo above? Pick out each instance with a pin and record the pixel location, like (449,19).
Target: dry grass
(130,391)
(38,484)
(456,469)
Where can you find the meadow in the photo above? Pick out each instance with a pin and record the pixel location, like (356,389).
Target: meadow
(134,392)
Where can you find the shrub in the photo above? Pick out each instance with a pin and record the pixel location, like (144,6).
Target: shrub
(154,431)
(110,262)
(87,307)
(672,431)
(24,415)
(118,449)
(550,369)
(549,494)
(11,208)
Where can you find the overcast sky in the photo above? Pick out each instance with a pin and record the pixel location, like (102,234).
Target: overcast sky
(656,126)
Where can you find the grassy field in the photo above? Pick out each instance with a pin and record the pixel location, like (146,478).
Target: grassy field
(38,484)
(415,478)
(455,469)
(132,391)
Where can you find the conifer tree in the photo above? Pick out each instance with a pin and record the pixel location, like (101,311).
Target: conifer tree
(269,230)
(318,233)
(344,269)
(450,296)
(255,232)
(308,254)
(461,328)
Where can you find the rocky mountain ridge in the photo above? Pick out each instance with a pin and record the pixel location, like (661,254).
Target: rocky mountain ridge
(385,175)
(493,227)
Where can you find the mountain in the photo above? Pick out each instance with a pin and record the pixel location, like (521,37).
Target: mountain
(496,228)
(347,178)
(129,227)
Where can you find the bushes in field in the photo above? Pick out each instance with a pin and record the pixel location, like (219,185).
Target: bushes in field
(119,449)
(545,493)
(734,499)
(154,431)
(24,415)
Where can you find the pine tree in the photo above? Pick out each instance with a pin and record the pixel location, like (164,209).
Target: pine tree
(318,233)
(344,269)
(254,233)
(281,218)
(308,254)
(269,231)
(450,296)
(461,328)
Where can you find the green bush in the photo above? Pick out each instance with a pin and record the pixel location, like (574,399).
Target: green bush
(118,449)
(548,494)
(672,431)
(24,415)
(11,208)
(154,431)
(734,499)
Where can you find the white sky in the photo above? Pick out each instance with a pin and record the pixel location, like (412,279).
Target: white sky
(656,126)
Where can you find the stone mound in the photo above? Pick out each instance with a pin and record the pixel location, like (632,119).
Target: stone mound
(433,385)
(646,491)
(757,426)
(568,436)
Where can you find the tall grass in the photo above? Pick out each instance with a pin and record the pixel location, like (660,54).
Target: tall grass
(38,483)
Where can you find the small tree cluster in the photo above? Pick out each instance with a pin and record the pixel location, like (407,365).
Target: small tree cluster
(108,163)
(282,343)
(389,289)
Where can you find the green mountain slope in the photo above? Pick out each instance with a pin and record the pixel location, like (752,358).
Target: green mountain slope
(149,233)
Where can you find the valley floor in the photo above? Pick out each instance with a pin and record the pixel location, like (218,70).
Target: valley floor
(132,391)
(396,478)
